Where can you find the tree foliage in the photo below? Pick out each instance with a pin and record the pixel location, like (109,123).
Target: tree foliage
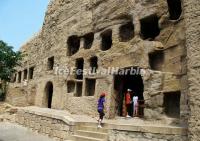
(9,59)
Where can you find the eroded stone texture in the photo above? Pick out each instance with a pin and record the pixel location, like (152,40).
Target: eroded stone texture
(161,55)
(116,135)
(192,18)
(49,126)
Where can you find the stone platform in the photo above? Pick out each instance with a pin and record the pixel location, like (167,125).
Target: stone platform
(62,125)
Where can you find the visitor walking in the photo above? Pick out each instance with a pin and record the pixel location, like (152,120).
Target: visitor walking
(128,102)
(100,109)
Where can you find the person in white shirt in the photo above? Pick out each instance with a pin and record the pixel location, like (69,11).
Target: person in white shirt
(135,105)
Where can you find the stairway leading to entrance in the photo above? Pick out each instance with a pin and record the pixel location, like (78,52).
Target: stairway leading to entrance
(90,132)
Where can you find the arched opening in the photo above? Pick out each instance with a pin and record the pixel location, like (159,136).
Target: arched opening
(129,79)
(49,94)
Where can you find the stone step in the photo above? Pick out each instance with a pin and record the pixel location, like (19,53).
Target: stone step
(92,124)
(83,138)
(92,134)
(93,129)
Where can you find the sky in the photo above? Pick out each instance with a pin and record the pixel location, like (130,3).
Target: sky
(20,20)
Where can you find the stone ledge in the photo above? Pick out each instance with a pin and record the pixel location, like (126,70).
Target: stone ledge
(169,130)
(50,113)
(67,118)
(154,129)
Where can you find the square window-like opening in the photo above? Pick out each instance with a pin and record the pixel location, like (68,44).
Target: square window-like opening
(73,44)
(14,77)
(90,87)
(31,71)
(94,64)
(19,76)
(172,104)
(156,60)
(50,63)
(126,32)
(88,40)
(70,86)
(79,86)
(175,9)
(79,68)
(25,74)
(150,27)
(106,42)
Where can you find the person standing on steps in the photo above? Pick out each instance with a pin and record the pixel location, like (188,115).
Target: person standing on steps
(100,109)
(128,102)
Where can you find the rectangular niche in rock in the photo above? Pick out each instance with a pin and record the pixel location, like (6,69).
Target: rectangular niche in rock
(94,64)
(90,87)
(150,27)
(25,74)
(70,86)
(14,77)
(73,43)
(156,60)
(31,71)
(79,86)
(19,76)
(88,40)
(50,63)
(79,68)
(175,9)
(126,32)
(172,104)
(106,40)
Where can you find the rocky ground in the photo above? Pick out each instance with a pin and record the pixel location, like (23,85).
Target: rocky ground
(13,132)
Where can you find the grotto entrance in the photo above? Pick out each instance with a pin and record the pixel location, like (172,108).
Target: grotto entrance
(49,94)
(131,80)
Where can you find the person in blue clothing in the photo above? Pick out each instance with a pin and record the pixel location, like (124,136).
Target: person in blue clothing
(100,109)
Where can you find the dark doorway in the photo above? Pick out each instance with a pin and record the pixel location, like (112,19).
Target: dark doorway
(49,93)
(128,81)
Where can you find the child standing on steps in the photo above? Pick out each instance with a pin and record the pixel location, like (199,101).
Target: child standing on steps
(100,109)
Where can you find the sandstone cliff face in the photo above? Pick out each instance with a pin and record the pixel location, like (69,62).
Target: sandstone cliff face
(154,43)
(192,20)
